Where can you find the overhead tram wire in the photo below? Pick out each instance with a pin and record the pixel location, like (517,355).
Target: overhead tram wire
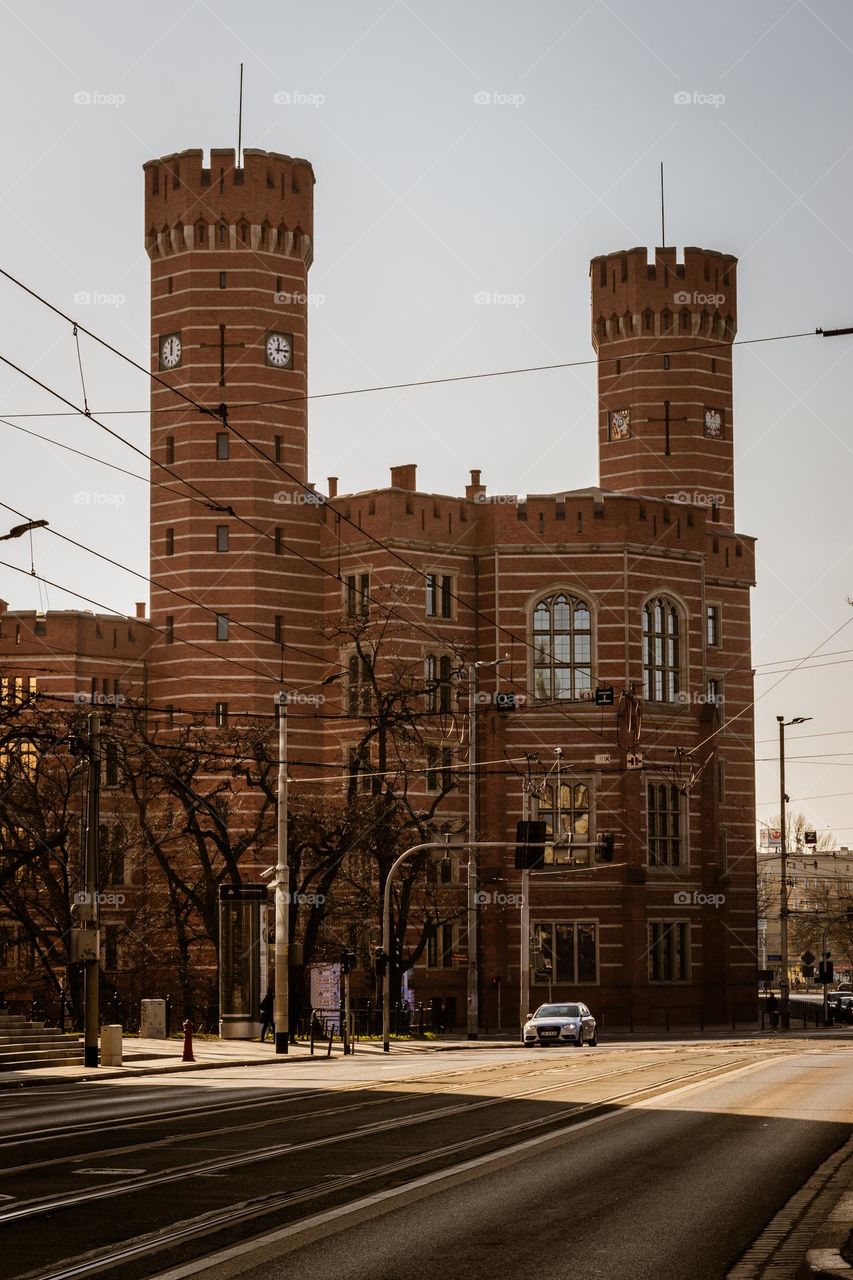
(757,667)
(180,595)
(123,617)
(391,386)
(400,386)
(210,503)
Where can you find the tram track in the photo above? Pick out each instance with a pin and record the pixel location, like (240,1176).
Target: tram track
(242,1212)
(137,1148)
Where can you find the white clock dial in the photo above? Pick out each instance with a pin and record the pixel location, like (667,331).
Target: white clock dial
(170,351)
(278,350)
(713,422)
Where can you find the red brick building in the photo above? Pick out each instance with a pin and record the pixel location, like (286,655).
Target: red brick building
(640,586)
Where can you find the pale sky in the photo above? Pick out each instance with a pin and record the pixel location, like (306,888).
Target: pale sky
(426,197)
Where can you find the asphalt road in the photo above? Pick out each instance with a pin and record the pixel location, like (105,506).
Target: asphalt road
(660,1161)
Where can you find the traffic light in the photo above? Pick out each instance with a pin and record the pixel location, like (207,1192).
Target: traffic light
(530,845)
(824,971)
(380,961)
(606,846)
(349,961)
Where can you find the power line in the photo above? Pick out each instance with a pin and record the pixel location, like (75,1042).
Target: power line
(234,662)
(399,386)
(210,503)
(222,414)
(244,626)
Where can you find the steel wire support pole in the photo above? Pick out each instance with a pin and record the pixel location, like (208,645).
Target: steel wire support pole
(91,968)
(281,1004)
(784,989)
(472,993)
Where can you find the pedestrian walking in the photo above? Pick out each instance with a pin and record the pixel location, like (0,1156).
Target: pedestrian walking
(773,1010)
(266,1014)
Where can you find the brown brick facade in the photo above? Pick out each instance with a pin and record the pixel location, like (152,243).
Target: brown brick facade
(651,935)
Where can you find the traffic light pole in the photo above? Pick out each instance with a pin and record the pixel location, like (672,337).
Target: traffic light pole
(281,1004)
(386,915)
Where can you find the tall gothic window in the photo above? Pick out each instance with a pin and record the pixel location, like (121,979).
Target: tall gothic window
(661,651)
(562,644)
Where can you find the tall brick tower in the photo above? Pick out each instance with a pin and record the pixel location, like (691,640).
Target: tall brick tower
(663,333)
(230,249)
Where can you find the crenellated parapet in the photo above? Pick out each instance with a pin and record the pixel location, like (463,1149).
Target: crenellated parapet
(267,205)
(633,298)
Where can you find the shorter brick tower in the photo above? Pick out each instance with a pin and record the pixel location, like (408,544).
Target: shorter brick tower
(230,249)
(663,333)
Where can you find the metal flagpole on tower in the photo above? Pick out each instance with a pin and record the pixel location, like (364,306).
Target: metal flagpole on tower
(240,123)
(662,213)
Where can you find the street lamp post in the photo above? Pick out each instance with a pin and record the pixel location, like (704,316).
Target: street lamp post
(784,986)
(18,530)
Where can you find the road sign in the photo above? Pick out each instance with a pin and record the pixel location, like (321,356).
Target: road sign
(774,955)
(810,837)
(807,957)
(605,696)
(634,760)
(602,757)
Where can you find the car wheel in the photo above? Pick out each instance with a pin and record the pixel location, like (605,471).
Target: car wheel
(579,1041)
(594,1041)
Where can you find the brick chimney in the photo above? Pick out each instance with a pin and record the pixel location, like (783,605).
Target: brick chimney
(405,477)
(475,489)
(332,486)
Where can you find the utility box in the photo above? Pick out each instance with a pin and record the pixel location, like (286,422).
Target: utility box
(111,1046)
(152,1021)
(85,945)
(242,959)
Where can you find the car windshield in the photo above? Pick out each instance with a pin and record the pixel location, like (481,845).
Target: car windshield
(557,1011)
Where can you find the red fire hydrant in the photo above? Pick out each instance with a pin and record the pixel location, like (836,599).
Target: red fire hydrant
(188,1042)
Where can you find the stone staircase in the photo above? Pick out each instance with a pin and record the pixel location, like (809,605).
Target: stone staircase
(30,1044)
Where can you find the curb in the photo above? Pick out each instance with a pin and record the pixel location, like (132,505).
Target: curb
(824,1260)
(177,1066)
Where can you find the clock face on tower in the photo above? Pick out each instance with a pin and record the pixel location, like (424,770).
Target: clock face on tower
(170,351)
(714,423)
(619,424)
(278,349)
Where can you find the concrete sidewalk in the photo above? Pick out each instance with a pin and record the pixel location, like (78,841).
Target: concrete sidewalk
(146,1057)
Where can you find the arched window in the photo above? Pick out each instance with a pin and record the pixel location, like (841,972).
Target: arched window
(661,650)
(562,644)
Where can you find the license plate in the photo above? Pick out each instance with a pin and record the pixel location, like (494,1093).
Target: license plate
(549,1033)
